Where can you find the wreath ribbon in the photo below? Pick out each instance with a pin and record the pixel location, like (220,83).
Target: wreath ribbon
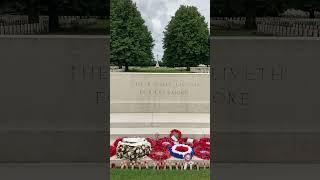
(176,134)
(180,150)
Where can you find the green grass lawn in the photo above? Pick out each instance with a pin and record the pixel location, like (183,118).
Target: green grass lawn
(150,174)
(157,70)
(236,33)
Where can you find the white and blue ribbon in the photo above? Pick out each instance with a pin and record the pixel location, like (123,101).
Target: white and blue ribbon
(178,154)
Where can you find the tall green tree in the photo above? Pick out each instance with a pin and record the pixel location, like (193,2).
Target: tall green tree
(305,5)
(186,39)
(249,9)
(131,41)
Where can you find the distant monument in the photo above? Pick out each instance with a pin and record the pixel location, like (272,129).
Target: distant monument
(157,65)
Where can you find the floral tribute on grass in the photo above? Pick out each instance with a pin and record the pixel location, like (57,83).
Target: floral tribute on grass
(159,154)
(181,150)
(133,149)
(171,151)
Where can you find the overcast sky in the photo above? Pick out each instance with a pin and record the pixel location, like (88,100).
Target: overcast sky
(157,14)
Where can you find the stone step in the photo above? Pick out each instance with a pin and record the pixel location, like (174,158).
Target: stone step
(160,131)
(193,125)
(159,120)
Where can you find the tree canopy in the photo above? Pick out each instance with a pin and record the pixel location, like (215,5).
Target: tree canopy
(186,39)
(259,8)
(64,7)
(131,41)
(54,8)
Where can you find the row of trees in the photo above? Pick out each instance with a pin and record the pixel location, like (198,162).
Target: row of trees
(54,8)
(253,8)
(186,37)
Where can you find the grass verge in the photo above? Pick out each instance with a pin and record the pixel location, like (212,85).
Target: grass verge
(157,70)
(102,27)
(237,33)
(150,174)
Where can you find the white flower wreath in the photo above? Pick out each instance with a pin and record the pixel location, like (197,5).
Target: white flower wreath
(133,148)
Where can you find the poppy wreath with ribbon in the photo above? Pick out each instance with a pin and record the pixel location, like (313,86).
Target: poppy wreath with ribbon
(202,152)
(180,150)
(159,154)
(164,143)
(176,133)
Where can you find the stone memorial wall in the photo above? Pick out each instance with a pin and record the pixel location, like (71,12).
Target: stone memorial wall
(159,92)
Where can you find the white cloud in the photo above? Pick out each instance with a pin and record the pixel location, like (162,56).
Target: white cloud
(157,14)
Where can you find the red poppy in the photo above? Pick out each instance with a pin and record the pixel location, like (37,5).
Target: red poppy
(177,133)
(205,142)
(159,154)
(112,150)
(182,140)
(164,142)
(152,142)
(202,152)
(115,143)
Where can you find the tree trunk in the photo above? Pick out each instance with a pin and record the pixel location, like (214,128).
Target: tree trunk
(188,67)
(250,23)
(227,8)
(126,67)
(33,19)
(76,7)
(53,16)
(33,14)
(120,65)
(312,14)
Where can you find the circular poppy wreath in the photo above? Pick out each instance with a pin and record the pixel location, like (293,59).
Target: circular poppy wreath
(159,154)
(176,133)
(180,150)
(164,143)
(202,142)
(202,152)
